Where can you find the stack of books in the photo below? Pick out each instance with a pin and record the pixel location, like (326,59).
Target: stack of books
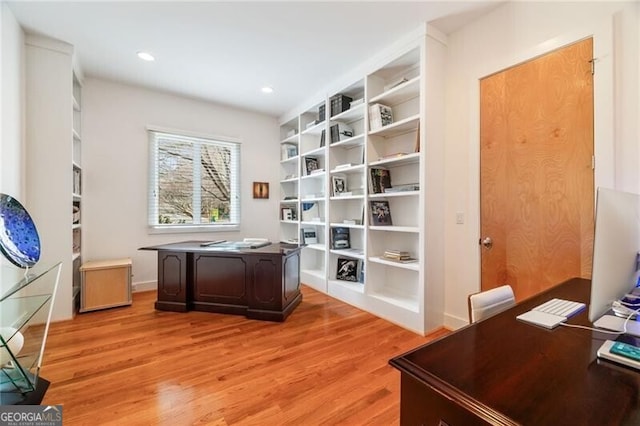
(398,256)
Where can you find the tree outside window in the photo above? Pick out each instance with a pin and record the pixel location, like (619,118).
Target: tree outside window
(194,181)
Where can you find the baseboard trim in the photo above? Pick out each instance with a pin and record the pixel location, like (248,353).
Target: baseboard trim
(144,286)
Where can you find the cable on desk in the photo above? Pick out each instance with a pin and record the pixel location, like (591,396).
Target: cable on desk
(600,330)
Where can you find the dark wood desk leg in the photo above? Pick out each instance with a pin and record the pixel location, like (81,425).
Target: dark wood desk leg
(172,281)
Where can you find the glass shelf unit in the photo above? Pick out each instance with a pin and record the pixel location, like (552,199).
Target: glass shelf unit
(26,302)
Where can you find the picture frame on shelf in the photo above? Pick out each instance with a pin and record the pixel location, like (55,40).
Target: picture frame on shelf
(380,213)
(340,238)
(309,236)
(347,269)
(310,212)
(339,184)
(311,164)
(380,179)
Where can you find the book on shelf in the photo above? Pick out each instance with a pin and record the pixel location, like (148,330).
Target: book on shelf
(340,131)
(310,212)
(340,238)
(316,171)
(311,164)
(288,213)
(343,166)
(393,155)
(380,179)
(309,236)
(400,256)
(339,184)
(352,222)
(379,116)
(347,269)
(403,188)
(380,213)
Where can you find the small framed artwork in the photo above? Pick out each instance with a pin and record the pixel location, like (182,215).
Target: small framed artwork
(260,189)
(339,184)
(380,213)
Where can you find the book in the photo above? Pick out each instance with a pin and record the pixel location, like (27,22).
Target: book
(347,269)
(380,213)
(379,116)
(380,179)
(288,214)
(309,236)
(339,184)
(310,212)
(311,164)
(403,188)
(340,238)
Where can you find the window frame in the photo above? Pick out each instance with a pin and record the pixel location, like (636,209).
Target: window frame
(152,205)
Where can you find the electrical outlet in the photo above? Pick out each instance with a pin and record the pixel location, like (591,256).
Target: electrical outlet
(459,218)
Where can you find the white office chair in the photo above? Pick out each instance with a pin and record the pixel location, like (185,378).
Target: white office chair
(490,302)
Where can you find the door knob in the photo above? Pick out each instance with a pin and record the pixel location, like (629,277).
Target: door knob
(487,243)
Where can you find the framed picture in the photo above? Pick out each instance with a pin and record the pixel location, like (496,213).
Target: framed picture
(260,189)
(311,164)
(339,184)
(309,236)
(340,238)
(380,213)
(347,269)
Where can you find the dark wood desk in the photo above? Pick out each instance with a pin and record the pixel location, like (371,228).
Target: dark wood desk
(504,372)
(261,283)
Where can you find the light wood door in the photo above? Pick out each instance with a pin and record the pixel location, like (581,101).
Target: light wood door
(536,173)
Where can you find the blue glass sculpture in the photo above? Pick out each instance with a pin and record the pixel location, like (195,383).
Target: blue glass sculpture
(19,240)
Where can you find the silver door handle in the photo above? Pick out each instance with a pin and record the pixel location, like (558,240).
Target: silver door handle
(487,243)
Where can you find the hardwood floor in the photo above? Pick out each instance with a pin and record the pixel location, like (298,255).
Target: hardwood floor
(327,364)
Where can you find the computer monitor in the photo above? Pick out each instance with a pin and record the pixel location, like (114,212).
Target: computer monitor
(615,247)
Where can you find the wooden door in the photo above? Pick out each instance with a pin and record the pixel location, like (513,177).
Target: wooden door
(536,173)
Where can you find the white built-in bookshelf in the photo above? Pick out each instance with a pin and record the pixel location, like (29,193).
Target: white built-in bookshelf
(328,153)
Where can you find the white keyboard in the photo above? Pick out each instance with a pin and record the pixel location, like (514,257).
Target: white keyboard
(552,313)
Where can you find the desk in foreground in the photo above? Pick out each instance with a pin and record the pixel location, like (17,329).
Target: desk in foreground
(502,371)
(261,283)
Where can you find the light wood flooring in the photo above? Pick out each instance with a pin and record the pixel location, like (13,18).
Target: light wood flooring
(326,364)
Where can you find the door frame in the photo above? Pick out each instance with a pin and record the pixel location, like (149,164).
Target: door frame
(603,119)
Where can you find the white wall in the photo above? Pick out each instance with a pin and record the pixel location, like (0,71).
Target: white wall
(115,159)
(512,33)
(12,105)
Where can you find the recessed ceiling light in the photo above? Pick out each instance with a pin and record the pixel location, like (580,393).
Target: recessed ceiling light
(267,89)
(145,56)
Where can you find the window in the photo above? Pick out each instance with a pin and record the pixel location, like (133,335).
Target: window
(194,183)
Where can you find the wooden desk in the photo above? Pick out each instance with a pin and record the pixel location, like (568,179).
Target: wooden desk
(504,372)
(261,283)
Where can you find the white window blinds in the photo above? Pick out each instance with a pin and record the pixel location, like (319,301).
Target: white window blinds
(193,182)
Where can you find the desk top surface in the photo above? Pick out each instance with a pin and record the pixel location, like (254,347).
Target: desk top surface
(227,246)
(510,372)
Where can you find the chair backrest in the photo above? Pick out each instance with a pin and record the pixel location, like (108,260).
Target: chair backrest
(490,302)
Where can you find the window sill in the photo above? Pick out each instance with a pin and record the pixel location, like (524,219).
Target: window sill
(190,229)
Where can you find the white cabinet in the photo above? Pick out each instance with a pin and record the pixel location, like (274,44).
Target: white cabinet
(391,119)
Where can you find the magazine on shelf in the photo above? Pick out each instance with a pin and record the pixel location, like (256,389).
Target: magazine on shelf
(340,238)
(347,269)
(380,213)
(339,184)
(380,179)
(310,212)
(309,236)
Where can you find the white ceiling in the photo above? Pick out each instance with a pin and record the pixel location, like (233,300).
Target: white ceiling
(226,52)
